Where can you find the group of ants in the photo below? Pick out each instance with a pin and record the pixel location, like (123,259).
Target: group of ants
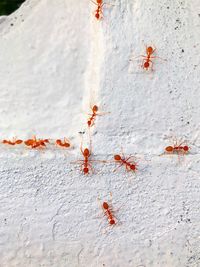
(129,163)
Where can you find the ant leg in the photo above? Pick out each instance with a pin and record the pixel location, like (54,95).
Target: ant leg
(108,4)
(159,58)
(142,66)
(81,146)
(154,49)
(122,152)
(92,169)
(146,49)
(131,59)
(94,2)
(111,198)
(151,65)
(118,167)
(175,141)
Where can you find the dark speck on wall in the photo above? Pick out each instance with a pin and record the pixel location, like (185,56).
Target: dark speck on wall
(182,50)
(11,24)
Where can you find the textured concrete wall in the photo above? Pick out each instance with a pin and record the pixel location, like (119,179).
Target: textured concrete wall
(56,61)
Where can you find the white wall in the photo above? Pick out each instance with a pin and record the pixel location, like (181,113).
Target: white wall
(57,60)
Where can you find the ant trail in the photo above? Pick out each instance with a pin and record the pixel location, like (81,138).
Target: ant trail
(96,56)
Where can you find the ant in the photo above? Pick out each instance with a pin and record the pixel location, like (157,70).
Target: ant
(130,165)
(86,162)
(64,143)
(108,211)
(91,120)
(14,142)
(86,165)
(147,61)
(98,11)
(178,149)
(92,117)
(34,143)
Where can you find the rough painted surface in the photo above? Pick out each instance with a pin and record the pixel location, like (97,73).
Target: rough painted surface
(56,61)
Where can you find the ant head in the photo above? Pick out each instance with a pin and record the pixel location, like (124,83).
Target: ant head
(99,1)
(95,108)
(169,149)
(149,50)
(112,221)
(117,157)
(86,152)
(146,65)
(185,148)
(89,123)
(105,205)
(85,170)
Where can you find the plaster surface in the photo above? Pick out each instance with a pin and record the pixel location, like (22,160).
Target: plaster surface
(57,61)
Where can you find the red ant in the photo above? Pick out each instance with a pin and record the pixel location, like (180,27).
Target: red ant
(179,149)
(64,143)
(14,142)
(130,165)
(98,11)
(34,143)
(95,113)
(85,163)
(108,212)
(91,120)
(147,59)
